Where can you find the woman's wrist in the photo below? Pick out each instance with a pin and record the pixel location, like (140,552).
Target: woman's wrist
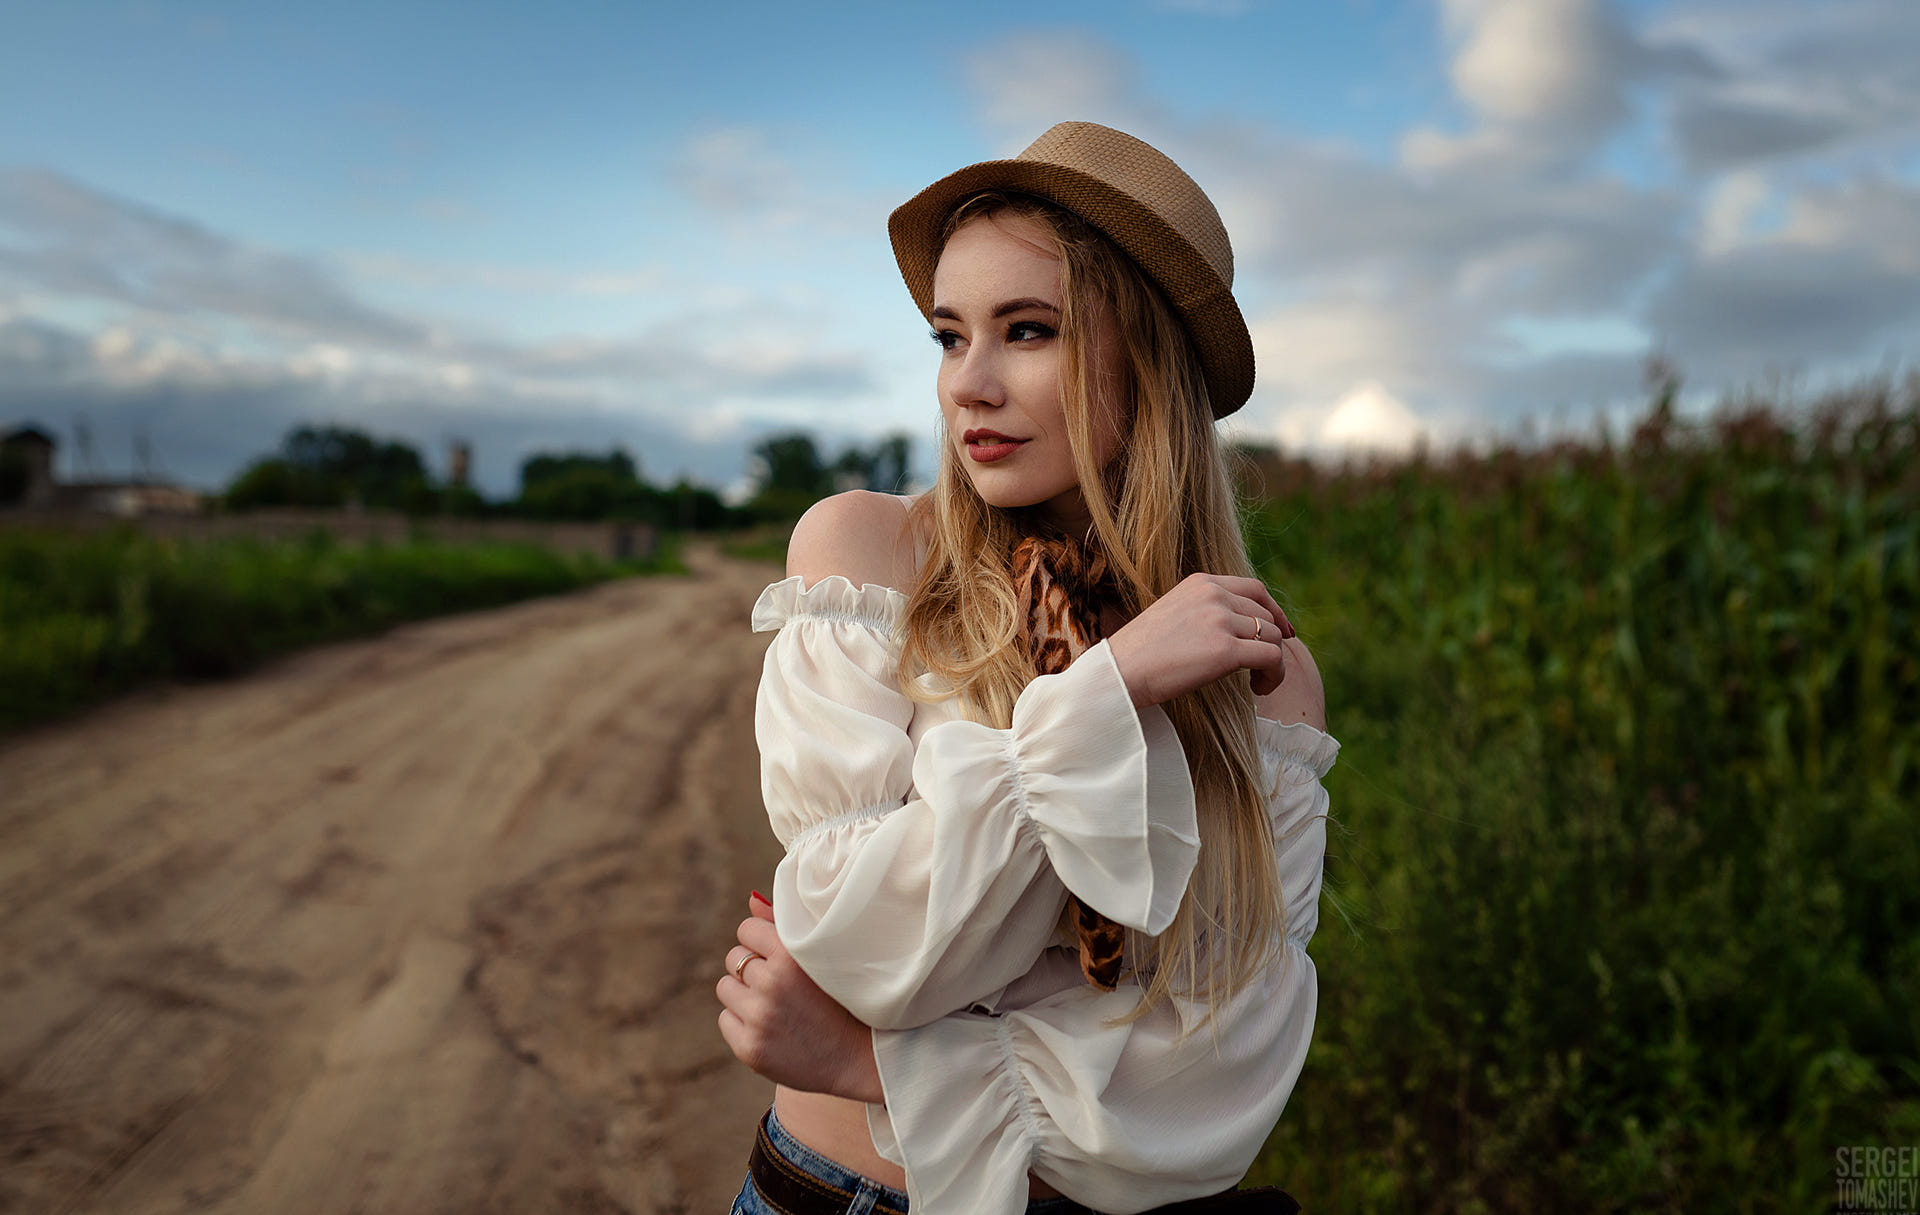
(862,1081)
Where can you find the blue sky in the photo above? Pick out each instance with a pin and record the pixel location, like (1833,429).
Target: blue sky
(663,227)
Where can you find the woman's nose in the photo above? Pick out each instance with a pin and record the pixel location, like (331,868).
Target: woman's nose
(977,380)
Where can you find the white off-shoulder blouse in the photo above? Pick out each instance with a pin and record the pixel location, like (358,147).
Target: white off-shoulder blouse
(928,859)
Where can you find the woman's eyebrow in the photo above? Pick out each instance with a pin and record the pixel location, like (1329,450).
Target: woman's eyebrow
(1023,305)
(1007,309)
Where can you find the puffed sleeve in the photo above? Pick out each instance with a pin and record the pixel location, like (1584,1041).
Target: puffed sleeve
(1120,1117)
(923,874)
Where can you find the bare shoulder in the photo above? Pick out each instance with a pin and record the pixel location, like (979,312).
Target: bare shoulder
(859,535)
(1301,696)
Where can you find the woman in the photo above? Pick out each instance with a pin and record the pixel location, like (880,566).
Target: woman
(1052,859)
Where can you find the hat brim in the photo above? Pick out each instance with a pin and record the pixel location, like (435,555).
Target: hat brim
(1203,301)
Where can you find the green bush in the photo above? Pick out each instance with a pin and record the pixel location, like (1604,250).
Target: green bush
(1623,903)
(83,616)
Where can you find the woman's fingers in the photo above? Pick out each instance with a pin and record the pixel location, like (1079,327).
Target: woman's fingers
(759,907)
(1256,622)
(1207,627)
(760,936)
(1266,679)
(739,958)
(779,1023)
(1267,657)
(747,1044)
(1266,660)
(759,946)
(1268,665)
(1256,591)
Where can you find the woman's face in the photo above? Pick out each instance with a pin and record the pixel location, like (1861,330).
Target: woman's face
(996,315)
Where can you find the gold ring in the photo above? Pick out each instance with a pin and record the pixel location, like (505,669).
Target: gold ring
(740,967)
(1256,628)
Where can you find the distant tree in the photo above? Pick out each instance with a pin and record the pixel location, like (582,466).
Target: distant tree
(382,474)
(890,456)
(792,475)
(546,466)
(328,466)
(463,501)
(853,469)
(588,486)
(585,494)
(881,468)
(691,507)
(792,464)
(274,481)
(585,486)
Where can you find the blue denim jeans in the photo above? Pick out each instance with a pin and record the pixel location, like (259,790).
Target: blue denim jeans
(865,1192)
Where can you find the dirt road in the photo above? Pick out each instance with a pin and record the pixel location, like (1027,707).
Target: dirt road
(428,923)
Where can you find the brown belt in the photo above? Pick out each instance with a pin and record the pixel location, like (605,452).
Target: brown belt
(791,1189)
(787,1187)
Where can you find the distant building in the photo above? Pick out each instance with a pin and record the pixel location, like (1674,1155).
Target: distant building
(128,498)
(34,448)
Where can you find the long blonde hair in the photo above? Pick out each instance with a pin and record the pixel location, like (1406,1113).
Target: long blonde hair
(1163,508)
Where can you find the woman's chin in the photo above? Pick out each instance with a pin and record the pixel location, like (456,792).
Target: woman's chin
(1063,504)
(1004,493)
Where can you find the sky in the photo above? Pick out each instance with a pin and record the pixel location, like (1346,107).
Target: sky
(662,227)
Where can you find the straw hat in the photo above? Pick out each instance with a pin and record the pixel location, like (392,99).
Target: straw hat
(1141,201)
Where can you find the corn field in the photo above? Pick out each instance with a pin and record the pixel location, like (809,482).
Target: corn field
(1623,897)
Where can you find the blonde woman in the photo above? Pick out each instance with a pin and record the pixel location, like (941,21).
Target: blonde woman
(1044,755)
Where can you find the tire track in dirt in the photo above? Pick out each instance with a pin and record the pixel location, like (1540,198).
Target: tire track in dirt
(423,923)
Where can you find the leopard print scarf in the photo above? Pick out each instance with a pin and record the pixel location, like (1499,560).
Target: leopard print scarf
(1064,584)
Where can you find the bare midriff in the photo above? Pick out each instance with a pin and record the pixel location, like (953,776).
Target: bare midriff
(837,1129)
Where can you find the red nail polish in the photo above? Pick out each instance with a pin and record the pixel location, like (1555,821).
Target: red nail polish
(763,898)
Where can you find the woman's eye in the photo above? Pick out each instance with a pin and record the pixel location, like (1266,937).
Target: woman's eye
(946,339)
(1028,331)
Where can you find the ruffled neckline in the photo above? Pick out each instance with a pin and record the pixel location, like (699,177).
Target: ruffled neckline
(832,598)
(883,609)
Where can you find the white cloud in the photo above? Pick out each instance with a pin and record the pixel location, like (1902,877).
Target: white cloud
(1369,418)
(759,181)
(1733,205)
(1063,74)
(1555,64)
(1497,266)
(1505,268)
(1877,215)
(418,273)
(1792,79)
(1837,281)
(208,411)
(179,285)
(228,339)
(1544,81)
(323,361)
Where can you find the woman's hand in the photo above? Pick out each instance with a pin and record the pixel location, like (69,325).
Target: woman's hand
(1208,626)
(780,1024)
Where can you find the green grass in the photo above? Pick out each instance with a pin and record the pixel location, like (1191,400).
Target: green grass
(1623,903)
(766,543)
(85,616)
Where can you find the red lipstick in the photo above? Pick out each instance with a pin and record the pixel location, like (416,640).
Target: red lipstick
(986,446)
